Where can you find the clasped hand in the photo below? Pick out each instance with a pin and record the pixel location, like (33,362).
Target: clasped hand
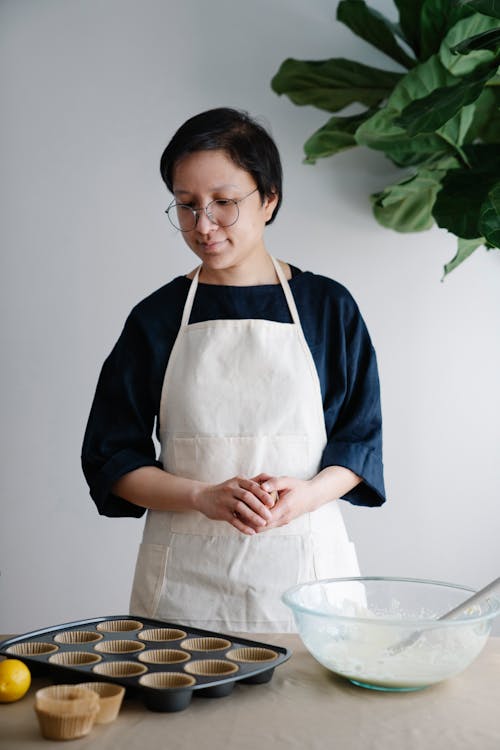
(256,505)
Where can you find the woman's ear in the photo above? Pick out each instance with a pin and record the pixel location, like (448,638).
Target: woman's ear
(270,203)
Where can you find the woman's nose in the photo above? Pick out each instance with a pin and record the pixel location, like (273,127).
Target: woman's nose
(204,223)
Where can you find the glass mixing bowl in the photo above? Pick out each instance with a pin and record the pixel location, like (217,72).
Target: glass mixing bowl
(383,633)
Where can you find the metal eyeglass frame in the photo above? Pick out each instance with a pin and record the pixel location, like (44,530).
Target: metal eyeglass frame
(196,211)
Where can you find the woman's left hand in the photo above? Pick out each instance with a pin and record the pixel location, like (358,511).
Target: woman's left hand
(293,500)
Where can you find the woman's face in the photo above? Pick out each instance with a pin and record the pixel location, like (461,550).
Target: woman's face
(205,176)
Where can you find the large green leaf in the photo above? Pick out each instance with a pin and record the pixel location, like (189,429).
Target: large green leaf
(463,192)
(488,7)
(409,21)
(487,40)
(380,133)
(462,64)
(431,112)
(407,205)
(333,84)
(464,250)
(374,28)
(336,135)
(484,108)
(489,217)
(489,130)
(419,82)
(436,17)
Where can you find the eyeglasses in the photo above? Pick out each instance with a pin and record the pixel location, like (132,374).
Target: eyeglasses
(223,211)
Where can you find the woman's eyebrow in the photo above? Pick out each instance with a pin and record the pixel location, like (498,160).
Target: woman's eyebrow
(180,191)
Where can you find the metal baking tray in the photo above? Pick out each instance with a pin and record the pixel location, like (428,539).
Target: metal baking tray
(165,663)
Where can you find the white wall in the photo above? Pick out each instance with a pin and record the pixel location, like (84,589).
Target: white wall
(91,92)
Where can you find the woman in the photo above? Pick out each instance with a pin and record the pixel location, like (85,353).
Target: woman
(263,383)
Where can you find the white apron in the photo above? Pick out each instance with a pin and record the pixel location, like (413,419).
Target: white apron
(239,397)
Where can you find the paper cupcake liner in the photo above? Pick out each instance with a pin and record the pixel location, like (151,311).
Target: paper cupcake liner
(74,658)
(163,680)
(66,700)
(252,654)
(78,636)
(205,644)
(118,626)
(32,648)
(120,669)
(163,656)
(119,647)
(161,634)
(110,699)
(55,727)
(209,667)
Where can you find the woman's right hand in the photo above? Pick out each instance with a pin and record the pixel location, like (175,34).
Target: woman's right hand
(239,501)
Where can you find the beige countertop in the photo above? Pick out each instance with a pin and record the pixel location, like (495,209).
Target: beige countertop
(303,707)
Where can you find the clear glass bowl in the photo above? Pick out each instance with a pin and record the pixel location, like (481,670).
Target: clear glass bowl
(383,633)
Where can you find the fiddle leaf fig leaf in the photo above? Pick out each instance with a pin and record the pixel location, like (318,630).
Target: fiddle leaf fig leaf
(374,28)
(409,21)
(333,84)
(407,205)
(429,113)
(489,217)
(465,63)
(488,7)
(464,250)
(436,17)
(464,191)
(380,133)
(336,135)
(489,40)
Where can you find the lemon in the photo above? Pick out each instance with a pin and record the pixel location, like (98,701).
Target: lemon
(15,679)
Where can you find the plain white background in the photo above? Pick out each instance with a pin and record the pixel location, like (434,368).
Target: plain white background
(92,90)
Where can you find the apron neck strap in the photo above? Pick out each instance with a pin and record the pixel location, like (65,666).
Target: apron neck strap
(190,298)
(281,277)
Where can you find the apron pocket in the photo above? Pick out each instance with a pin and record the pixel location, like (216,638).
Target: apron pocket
(148,579)
(233,583)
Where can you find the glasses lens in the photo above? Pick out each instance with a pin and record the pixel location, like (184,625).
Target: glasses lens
(182,217)
(223,212)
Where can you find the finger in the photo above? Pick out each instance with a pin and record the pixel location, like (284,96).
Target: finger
(256,489)
(238,524)
(256,498)
(249,516)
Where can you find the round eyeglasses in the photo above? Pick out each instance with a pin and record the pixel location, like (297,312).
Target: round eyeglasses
(223,211)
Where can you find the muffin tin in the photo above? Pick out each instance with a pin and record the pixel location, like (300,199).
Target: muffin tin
(165,663)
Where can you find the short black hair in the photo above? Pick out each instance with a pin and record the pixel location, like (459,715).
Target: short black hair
(245,141)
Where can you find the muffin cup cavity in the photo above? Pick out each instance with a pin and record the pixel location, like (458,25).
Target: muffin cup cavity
(120,669)
(78,636)
(252,654)
(211,668)
(205,644)
(74,658)
(161,634)
(163,656)
(119,647)
(118,626)
(32,648)
(166,680)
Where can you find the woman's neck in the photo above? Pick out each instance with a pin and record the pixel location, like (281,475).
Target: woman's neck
(256,274)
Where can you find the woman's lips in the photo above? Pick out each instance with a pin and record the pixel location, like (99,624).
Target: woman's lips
(211,247)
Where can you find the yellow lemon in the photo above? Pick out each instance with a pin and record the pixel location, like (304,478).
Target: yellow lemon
(15,679)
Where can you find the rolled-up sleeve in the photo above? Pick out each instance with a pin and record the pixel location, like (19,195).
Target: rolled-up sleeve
(118,437)
(351,400)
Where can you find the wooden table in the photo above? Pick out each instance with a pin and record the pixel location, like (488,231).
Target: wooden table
(303,707)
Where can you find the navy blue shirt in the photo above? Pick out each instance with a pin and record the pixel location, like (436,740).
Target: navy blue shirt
(118,438)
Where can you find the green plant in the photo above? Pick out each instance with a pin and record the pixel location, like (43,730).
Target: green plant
(439,120)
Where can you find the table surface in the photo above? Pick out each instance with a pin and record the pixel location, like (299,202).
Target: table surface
(303,707)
